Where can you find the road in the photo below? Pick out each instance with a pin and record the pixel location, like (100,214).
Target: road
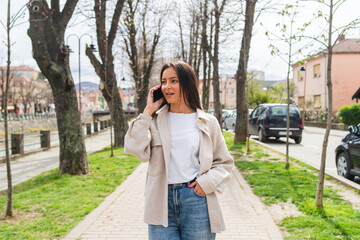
(310,149)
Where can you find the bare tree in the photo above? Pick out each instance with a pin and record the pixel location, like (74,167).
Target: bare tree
(241,81)
(290,36)
(104,67)
(9,206)
(206,80)
(140,49)
(47,28)
(329,43)
(27,91)
(214,57)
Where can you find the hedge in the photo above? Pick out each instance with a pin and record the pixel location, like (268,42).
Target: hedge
(350,115)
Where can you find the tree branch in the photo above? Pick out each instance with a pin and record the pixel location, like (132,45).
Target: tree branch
(95,62)
(115,21)
(55,6)
(100,28)
(67,12)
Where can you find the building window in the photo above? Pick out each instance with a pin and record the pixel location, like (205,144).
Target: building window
(300,77)
(317,101)
(317,71)
(301,102)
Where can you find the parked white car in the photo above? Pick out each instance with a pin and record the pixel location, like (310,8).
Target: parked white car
(230,121)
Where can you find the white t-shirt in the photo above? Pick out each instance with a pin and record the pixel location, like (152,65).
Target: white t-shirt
(185,144)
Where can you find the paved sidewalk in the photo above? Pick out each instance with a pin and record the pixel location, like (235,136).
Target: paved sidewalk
(120,216)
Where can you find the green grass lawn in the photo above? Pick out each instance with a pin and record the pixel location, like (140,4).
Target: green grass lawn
(274,184)
(49,205)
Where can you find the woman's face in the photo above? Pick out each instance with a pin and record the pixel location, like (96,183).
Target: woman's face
(170,86)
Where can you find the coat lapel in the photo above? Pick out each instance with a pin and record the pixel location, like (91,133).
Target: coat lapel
(163,126)
(205,151)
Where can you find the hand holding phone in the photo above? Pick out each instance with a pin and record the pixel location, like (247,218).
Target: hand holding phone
(157,94)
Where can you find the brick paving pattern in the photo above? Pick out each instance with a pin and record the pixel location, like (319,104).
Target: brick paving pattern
(120,216)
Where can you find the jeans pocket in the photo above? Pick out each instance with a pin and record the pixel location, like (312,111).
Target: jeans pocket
(198,195)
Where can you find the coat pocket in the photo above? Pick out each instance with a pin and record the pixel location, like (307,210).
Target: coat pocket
(157,161)
(155,139)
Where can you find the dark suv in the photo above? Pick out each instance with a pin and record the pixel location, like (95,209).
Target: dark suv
(348,154)
(269,120)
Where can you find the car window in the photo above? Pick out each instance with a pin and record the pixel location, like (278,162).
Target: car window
(282,110)
(257,111)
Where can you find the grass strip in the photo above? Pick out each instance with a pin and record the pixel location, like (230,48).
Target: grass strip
(49,205)
(274,184)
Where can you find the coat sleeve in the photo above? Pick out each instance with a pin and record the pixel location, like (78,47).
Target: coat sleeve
(219,175)
(138,138)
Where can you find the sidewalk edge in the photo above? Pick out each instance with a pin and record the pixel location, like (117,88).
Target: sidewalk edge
(269,224)
(80,228)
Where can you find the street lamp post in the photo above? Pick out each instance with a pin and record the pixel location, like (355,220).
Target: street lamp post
(92,48)
(302,69)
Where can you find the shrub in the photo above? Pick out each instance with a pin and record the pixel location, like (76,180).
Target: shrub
(350,115)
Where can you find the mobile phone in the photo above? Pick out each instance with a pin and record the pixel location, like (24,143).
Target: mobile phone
(157,94)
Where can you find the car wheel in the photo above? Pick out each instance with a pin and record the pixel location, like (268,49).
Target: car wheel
(343,166)
(298,140)
(225,126)
(262,137)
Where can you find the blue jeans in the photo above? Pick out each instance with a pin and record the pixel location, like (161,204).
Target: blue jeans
(187,216)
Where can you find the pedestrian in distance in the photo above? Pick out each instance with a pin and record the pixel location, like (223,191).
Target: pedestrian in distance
(187,155)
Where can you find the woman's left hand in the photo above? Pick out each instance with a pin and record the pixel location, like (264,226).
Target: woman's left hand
(197,188)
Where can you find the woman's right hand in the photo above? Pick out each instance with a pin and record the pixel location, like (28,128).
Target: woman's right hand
(152,106)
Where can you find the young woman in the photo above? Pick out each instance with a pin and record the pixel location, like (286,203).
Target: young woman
(188,159)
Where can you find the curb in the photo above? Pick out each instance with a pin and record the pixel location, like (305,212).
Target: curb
(342,180)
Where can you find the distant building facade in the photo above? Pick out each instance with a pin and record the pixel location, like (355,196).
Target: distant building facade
(310,84)
(28,91)
(228,88)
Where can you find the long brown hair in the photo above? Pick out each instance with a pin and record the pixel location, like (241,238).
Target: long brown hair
(189,87)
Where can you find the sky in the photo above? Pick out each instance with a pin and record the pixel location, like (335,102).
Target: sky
(260,53)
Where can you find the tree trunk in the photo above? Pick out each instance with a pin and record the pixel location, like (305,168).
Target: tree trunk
(215,60)
(47,28)
(105,69)
(203,47)
(320,186)
(287,162)
(241,125)
(9,207)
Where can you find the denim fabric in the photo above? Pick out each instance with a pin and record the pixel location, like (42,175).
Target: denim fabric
(187,216)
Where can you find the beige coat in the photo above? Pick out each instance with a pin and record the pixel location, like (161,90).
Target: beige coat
(149,139)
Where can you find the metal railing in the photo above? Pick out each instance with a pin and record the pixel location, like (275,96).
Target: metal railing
(34,142)
(26,116)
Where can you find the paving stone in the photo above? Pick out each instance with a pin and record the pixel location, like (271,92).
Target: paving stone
(120,216)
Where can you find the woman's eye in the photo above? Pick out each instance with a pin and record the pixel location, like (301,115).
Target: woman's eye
(174,81)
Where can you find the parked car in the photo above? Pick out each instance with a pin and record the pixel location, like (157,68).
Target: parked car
(348,154)
(225,114)
(269,120)
(230,121)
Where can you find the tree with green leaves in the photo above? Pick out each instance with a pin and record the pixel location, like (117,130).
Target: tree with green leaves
(256,95)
